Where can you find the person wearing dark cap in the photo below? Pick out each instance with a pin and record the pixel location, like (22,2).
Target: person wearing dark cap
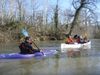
(26,47)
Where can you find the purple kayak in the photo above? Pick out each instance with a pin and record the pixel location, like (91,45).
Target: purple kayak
(18,55)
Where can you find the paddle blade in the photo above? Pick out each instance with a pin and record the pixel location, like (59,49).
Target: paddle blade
(24,32)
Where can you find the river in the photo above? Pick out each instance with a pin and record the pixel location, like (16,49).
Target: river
(60,64)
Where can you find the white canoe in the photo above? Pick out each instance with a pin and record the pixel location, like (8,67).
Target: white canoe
(76,45)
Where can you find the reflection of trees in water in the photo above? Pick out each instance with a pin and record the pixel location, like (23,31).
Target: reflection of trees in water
(26,67)
(73,53)
(52,65)
(77,52)
(33,67)
(56,66)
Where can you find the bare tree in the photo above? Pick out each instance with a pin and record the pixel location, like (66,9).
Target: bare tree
(67,15)
(56,19)
(45,12)
(21,10)
(11,8)
(79,5)
(3,11)
(34,7)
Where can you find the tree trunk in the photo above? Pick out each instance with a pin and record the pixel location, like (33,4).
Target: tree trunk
(74,22)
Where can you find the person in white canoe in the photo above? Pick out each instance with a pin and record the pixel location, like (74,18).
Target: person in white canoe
(76,39)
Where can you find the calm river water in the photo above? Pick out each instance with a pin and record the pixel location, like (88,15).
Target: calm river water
(60,64)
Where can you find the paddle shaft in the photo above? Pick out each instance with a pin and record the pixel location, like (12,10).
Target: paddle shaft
(36,45)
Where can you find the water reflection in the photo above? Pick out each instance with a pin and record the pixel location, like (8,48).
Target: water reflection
(72,62)
(73,53)
(77,52)
(8,47)
(26,67)
(56,65)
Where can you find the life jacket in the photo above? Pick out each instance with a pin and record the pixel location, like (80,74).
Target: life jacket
(25,48)
(69,40)
(78,40)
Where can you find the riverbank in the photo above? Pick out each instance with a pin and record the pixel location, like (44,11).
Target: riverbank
(15,35)
(6,37)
